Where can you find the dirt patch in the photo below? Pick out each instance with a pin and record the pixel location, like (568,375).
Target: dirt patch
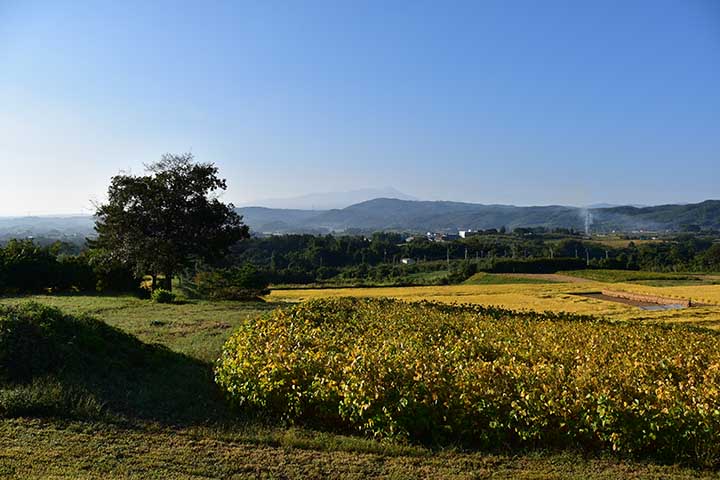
(645,302)
(643,298)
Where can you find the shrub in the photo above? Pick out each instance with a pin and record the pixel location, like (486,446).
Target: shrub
(26,267)
(237,283)
(482,376)
(161,295)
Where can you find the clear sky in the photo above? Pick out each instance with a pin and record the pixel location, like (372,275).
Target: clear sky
(521,102)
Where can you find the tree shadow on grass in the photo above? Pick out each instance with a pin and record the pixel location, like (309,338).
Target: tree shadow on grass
(76,366)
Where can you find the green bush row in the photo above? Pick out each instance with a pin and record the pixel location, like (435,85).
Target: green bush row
(26,267)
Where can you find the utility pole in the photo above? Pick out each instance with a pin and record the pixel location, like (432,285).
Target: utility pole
(466,257)
(447,254)
(587,257)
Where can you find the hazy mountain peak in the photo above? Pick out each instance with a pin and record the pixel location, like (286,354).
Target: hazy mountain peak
(331,200)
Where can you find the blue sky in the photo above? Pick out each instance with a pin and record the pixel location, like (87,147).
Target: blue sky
(518,102)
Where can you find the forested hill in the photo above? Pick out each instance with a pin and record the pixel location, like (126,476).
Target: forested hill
(413,216)
(705,214)
(421,216)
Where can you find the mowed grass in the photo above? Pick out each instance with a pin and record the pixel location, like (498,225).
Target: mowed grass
(197,328)
(31,448)
(246,445)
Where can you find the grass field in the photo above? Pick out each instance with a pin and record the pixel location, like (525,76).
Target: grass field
(244,446)
(32,448)
(503,279)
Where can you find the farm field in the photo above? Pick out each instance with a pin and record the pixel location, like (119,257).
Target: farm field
(544,293)
(237,446)
(644,277)
(622,242)
(242,446)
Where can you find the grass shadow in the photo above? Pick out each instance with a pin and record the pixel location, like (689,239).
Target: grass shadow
(76,366)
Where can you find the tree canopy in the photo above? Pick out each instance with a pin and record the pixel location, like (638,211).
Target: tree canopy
(161,222)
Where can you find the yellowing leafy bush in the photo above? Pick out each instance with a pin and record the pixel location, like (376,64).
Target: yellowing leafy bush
(163,296)
(485,376)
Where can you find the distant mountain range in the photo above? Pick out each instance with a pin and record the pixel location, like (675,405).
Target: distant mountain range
(70,227)
(421,216)
(414,216)
(332,200)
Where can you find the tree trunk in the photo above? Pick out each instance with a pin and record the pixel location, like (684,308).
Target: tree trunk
(167,282)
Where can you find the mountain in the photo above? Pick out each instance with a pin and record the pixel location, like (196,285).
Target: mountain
(53,227)
(421,216)
(263,219)
(332,200)
(705,214)
(613,205)
(414,216)
(392,214)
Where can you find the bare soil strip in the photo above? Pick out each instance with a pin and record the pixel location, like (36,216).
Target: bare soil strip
(646,302)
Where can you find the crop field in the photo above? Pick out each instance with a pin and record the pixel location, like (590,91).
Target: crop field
(643,277)
(554,296)
(622,242)
(173,423)
(485,376)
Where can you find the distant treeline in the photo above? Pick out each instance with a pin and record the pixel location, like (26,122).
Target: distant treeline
(26,267)
(288,259)
(378,259)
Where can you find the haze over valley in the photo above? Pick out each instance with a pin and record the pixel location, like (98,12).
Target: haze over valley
(409,216)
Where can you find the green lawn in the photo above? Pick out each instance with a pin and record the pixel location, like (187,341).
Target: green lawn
(213,441)
(196,328)
(31,448)
(495,279)
(643,277)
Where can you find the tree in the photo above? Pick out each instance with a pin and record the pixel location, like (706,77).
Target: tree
(711,258)
(163,221)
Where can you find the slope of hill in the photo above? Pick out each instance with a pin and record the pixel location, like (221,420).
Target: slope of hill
(414,216)
(263,219)
(705,214)
(386,213)
(331,200)
(420,216)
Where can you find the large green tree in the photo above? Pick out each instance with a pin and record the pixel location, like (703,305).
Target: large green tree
(161,222)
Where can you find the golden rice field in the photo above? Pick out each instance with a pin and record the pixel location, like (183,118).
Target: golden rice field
(542,297)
